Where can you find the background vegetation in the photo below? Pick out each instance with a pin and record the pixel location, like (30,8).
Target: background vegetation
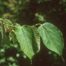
(24,12)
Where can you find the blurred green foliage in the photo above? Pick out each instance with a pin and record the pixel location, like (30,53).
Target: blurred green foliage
(18,9)
(10,8)
(28,12)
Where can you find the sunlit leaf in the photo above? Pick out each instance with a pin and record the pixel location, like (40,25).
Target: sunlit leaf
(26,39)
(52,37)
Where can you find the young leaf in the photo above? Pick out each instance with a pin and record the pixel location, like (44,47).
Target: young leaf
(52,37)
(26,39)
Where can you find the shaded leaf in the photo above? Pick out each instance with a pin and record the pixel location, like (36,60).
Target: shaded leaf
(0,35)
(52,37)
(5,24)
(37,37)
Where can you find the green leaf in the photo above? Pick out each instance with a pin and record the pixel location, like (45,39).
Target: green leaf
(37,37)
(6,23)
(4,36)
(26,39)
(0,35)
(52,37)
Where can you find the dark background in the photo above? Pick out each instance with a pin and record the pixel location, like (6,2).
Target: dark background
(55,13)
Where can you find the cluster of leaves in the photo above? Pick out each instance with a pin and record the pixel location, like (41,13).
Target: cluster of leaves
(27,39)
